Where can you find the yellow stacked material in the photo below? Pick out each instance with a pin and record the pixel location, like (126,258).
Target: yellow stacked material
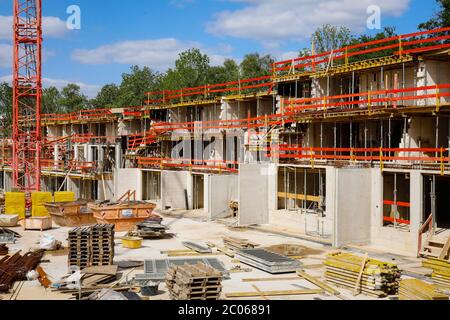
(15,204)
(38,200)
(379,279)
(414,289)
(65,196)
(441,271)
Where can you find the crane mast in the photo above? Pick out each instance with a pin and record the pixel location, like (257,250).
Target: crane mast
(27,95)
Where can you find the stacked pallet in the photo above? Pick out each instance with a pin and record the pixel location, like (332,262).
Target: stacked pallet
(238,244)
(91,246)
(378,279)
(194,282)
(414,289)
(441,271)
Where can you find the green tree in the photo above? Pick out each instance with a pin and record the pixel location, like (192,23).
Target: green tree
(51,98)
(388,32)
(192,69)
(107,97)
(228,72)
(328,38)
(255,65)
(134,86)
(6,102)
(72,99)
(441,18)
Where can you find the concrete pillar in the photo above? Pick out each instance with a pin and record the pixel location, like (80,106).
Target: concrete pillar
(273,187)
(416,216)
(118,156)
(56,156)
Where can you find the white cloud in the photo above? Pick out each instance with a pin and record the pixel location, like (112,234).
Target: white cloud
(53,27)
(90,90)
(271,21)
(159,54)
(5,55)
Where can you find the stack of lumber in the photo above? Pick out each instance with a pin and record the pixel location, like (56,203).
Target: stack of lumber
(238,244)
(194,282)
(3,250)
(362,275)
(441,271)
(414,289)
(91,246)
(38,200)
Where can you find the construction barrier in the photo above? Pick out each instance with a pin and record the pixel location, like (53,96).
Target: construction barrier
(15,204)
(64,196)
(38,199)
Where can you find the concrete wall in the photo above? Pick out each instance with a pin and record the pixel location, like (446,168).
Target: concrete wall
(253,194)
(174,184)
(220,191)
(353,203)
(127,179)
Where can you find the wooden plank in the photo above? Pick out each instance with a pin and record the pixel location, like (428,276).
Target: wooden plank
(272,293)
(445,250)
(258,290)
(356,290)
(299,197)
(269,279)
(318,283)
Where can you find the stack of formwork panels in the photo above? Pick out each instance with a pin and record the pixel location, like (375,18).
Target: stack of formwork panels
(414,289)
(91,246)
(378,279)
(194,282)
(267,261)
(441,271)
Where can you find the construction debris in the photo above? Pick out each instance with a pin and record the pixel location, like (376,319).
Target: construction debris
(91,246)
(3,249)
(267,261)
(238,244)
(150,229)
(8,236)
(378,279)
(414,289)
(293,250)
(16,267)
(441,271)
(196,247)
(194,282)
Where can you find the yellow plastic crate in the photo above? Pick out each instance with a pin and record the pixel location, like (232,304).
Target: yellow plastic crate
(38,199)
(65,196)
(15,204)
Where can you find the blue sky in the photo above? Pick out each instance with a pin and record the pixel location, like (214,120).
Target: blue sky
(117,34)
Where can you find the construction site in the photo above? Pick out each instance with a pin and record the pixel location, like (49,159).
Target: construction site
(328,179)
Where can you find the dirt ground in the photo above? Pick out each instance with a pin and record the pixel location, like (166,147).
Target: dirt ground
(196,230)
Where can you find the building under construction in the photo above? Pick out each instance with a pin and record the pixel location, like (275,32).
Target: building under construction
(346,147)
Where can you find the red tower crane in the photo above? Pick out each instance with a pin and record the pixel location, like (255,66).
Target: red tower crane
(27,94)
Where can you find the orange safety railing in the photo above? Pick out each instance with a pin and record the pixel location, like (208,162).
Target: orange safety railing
(206,91)
(91,115)
(292,108)
(362,154)
(220,165)
(431,95)
(398,204)
(398,45)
